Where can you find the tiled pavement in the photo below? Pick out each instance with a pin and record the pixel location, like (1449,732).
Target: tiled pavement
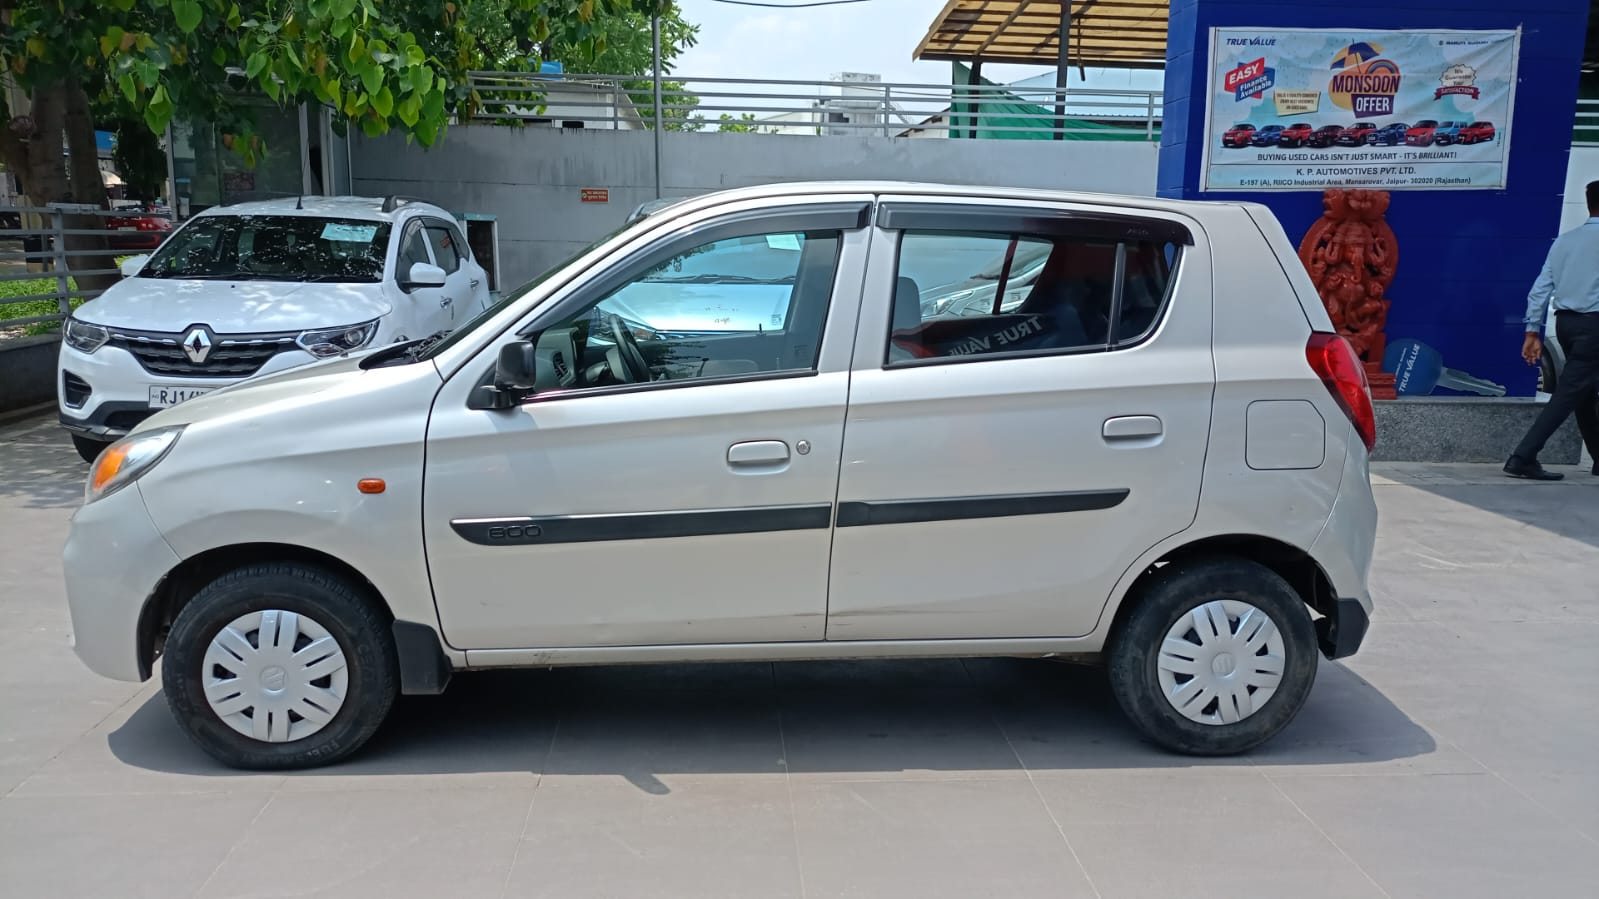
(1452,758)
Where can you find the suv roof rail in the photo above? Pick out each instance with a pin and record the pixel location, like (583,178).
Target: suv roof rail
(395,201)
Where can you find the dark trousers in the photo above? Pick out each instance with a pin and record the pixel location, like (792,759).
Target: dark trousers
(1577,389)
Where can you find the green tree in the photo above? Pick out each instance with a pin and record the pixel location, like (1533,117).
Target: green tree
(382,66)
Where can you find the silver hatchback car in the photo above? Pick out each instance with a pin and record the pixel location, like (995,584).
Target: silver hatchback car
(799,421)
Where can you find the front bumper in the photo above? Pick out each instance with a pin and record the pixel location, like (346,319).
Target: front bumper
(119,388)
(113,560)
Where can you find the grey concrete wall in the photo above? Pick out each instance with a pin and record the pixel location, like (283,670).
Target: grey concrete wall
(28,371)
(531,178)
(1465,429)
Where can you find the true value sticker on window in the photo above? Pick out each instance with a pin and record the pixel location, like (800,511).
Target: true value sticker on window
(346,233)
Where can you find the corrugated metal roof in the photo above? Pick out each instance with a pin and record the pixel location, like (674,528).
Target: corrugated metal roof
(1123,33)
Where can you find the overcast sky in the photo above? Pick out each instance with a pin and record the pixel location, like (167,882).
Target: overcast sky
(874,37)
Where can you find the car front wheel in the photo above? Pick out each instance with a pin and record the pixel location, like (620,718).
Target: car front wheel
(1217,656)
(280,666)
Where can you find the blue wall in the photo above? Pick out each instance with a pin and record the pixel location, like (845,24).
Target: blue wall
(1466,258)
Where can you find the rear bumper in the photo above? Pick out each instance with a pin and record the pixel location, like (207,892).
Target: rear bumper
(1341,630)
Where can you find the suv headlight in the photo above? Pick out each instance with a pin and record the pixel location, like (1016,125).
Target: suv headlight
(333,341)
(125,461)
(82,336)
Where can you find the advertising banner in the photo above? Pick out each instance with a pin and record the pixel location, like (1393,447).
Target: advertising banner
(1305,109)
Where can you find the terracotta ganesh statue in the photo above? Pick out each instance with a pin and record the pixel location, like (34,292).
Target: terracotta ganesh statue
(1351,255)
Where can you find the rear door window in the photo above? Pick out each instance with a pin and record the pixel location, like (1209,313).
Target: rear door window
(960,295)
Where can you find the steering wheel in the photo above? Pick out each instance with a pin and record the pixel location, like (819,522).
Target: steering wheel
(636,368)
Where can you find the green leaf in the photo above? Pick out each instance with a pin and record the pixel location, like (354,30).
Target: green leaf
(219,56)
(414,55)
(233,17)
(271,86)
(374,127)
(293,58)
(383,102)
(426,132)
(147,72)
(410,110)
(371,77)
(256,64)
(357,50)
(433,106)
(421,79)
(129,88)
(159,111)
(188,14)
(111,41)
(334,95)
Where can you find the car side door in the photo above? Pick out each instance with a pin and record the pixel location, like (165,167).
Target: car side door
(460,283)
(426,310)
(670,478)
(1005,463)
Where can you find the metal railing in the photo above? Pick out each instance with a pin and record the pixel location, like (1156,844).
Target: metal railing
(1586,133)
(44,250)
(620,102)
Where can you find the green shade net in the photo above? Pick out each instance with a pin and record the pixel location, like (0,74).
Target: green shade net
(1003,113)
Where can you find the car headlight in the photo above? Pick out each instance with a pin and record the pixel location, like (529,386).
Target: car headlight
(333,341)
(125,461)
(82,336)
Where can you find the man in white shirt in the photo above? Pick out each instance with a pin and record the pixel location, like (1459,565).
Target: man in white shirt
(1570,279)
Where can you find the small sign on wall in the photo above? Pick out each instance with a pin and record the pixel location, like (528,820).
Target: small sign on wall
(596,194)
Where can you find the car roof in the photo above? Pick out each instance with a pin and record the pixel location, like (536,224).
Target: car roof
(931,190)
(371,209)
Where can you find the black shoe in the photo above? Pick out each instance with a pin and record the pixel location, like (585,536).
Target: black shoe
(1518,467)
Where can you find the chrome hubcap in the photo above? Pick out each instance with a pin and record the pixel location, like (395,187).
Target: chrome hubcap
(1221,662)
(275,676)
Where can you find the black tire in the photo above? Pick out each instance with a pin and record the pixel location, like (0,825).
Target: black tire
(1177,590)
(88,448)
(1548,375)
(361,630)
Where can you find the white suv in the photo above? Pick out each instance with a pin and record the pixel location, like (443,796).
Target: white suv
(257,288)
(738,430)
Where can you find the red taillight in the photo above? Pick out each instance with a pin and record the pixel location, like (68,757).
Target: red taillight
(1334,361)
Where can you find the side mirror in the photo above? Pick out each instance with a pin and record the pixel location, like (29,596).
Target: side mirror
(517,368)
(514,374)
(133,265)
(423,274)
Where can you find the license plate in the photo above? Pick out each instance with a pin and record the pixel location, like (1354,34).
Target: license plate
(162,397)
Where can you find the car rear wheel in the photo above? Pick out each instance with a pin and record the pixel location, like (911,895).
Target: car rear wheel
(88,448)
(280,666)
(1217,656)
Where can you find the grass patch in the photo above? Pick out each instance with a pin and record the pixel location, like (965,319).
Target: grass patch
(28,308)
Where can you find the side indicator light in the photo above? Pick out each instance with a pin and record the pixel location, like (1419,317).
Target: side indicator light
(371,485)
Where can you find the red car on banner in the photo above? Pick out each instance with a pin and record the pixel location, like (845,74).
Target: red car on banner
(1238,135)
(1476,133)
(1422,134)
(1296,134)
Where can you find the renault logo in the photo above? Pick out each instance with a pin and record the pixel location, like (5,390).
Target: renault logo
(197,345)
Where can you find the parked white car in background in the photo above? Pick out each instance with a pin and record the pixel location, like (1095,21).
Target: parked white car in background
(257,288)
(740,429)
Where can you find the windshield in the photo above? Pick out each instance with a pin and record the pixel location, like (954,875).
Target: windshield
(273,248)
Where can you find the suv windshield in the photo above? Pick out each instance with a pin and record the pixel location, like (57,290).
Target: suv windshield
(273,248)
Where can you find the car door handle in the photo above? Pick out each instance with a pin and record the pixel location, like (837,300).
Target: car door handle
(1131,427)
(757,452)
(474,282)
